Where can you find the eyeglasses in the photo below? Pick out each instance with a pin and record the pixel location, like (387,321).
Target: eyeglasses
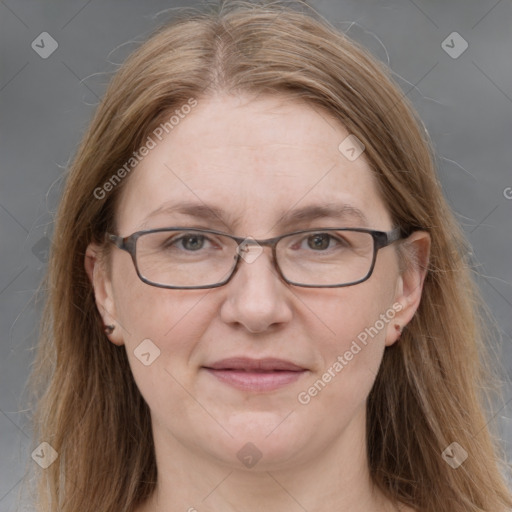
(189,258)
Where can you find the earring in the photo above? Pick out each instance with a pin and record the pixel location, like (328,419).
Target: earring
(109,329)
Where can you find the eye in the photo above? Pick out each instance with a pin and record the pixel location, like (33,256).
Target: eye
(319,241)
(322,241)
(193,242)
(190,242)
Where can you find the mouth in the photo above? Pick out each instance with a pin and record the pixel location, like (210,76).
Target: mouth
(256,374)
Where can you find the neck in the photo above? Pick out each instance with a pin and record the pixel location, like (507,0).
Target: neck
(336,479)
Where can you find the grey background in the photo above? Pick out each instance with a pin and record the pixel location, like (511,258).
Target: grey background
(45,105)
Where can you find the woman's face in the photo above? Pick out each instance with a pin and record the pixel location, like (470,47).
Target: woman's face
(253,161)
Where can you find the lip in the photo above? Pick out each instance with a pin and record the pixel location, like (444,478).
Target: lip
(255,374)
(248,364)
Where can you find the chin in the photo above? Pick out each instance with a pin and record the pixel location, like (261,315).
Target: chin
(274,439)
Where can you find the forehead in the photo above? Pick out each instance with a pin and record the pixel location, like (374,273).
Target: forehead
(252,159)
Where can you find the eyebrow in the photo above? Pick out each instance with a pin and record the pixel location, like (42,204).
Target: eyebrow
(287,218)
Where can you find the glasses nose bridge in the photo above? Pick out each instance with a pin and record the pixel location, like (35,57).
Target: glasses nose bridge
(250,241)
(266,242)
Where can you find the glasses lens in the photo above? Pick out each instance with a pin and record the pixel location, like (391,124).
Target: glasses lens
(326,257)
(185,258)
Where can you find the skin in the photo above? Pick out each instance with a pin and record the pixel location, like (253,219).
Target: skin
(255,157)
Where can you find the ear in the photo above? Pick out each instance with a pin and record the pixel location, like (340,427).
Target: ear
(416,249)
(96,268)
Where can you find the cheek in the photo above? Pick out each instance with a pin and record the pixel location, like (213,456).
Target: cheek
(164,331)
(161,329)
(355,321)
(352,313)
(147,311)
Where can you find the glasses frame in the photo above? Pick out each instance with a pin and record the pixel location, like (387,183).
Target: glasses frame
(381,239)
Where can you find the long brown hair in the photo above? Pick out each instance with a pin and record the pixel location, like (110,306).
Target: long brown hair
(430,390)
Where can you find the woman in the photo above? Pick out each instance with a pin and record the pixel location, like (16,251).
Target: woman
(258,294)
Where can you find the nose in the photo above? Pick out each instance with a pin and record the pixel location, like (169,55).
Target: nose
(256,296)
